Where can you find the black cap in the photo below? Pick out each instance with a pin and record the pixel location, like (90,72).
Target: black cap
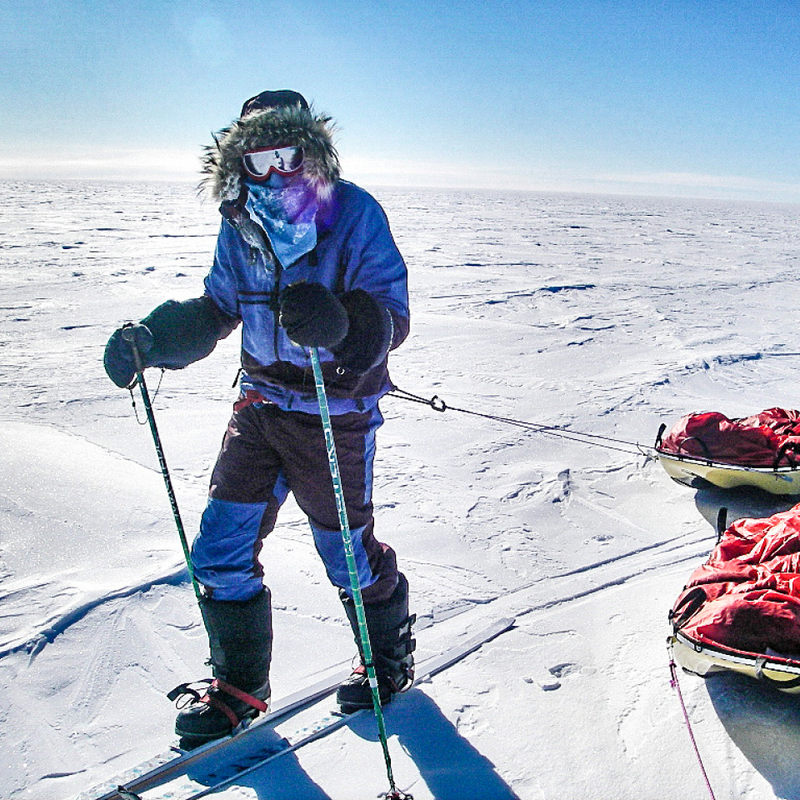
(277,99)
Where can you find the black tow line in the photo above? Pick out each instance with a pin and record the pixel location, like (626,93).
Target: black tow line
(607,442)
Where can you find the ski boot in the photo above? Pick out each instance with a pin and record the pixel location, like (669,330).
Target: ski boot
(240,640)
(389,626)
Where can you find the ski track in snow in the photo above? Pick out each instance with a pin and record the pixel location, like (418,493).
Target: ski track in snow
(602,315)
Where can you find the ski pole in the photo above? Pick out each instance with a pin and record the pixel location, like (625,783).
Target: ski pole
(347,541)
(129,335)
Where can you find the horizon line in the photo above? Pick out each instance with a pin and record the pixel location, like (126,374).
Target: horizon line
(592,191)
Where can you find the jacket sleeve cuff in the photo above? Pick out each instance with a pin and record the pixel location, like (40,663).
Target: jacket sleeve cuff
(370,332)
(186,331)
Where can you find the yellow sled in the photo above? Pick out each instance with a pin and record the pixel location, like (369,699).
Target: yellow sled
(698,473)
(780,673)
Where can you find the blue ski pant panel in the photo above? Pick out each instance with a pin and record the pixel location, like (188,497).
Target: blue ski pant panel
(223,554)
(266,453)
(329,546)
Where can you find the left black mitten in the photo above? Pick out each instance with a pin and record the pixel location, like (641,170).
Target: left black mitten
(172,336)
(312,316)
(369,335)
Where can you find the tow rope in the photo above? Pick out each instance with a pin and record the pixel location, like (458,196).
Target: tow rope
(596,439)
(675,685)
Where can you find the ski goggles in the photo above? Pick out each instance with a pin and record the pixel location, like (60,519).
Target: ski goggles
(260,164)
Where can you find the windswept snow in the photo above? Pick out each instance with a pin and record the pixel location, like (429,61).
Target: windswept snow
(604,315)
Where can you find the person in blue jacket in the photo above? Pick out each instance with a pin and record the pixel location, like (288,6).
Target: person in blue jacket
(303,259)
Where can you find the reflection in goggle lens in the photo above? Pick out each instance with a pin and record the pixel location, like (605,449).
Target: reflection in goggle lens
(260,164)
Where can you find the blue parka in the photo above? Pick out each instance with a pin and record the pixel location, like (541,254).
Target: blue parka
(355,251)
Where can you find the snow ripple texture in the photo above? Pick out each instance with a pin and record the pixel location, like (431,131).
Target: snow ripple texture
(607,315)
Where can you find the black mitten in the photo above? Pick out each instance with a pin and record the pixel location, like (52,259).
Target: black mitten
(312,316)
(173,335)
(118,358)
(369,334)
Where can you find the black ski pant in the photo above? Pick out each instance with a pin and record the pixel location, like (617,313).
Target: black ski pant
(266,453)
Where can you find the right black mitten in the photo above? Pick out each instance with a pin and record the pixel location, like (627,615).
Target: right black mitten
(312,316)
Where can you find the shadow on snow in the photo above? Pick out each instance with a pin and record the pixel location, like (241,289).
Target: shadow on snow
(448,764)
(764,724)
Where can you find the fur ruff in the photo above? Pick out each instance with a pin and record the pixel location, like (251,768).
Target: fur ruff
(274,127)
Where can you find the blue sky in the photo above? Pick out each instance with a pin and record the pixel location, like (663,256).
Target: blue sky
(673,98)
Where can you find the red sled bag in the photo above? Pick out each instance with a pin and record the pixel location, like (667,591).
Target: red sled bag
(769,439)
(746,597)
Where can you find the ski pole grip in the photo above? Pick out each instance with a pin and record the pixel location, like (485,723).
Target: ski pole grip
(140,339)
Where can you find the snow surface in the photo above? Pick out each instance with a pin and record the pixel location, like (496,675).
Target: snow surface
(605,315)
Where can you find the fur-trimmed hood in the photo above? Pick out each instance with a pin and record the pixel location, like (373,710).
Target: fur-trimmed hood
(273,127)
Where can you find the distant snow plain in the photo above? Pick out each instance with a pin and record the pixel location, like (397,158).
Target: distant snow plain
(601,315)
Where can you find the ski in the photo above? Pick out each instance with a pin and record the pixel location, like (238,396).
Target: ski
(427,669)
(252,743)
(168,766)
(171,764)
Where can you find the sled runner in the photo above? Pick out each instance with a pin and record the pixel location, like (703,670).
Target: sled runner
(701,474)
(740,610)
(761,451)
(780,673)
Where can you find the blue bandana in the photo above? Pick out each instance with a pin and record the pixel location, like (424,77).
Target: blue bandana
(286,210)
